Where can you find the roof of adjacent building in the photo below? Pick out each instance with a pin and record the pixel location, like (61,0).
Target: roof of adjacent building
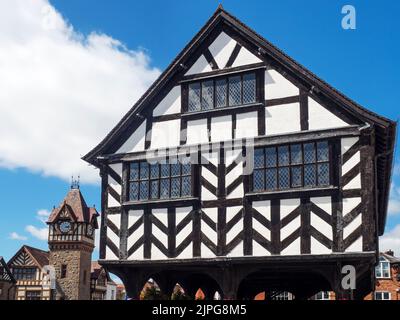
(96,269)
(390,257)
(5,274)
(385,128)
(76,205)
(39,257)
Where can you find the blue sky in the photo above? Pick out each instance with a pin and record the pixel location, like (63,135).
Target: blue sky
(362,63)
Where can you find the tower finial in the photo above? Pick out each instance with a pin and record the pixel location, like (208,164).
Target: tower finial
(75,182)
(220,6)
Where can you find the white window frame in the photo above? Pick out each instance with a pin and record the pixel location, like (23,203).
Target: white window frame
(382,260)
(323,296)
(382,293)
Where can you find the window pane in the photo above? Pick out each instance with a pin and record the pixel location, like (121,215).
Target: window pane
(194,97)
(296,176)
(270,157)
(154,171)
(133,191)
(164,188)
(309,175)
(186,186)
(165,170)
(220,93)
(258,180)
(154,189)
(234,91)
(258,158)
(207,92)
(270,179)
(134,171)
(309,153)
(322,151)
(249,88)
(175,169)
(323,174)
(144,190)
(175,187)
(186,168)
(283,156)
(385,269)
(284,182)
(296,154)
(144,170)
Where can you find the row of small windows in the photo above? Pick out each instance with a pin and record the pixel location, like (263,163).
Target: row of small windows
(291,166)
(222,92)
(159,181)
(275,168)
(24,273)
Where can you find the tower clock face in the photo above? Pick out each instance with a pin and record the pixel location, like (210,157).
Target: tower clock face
(65,226)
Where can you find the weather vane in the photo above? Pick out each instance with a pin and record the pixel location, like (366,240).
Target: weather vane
(75,182)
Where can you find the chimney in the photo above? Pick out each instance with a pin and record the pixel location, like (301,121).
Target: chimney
(390,253)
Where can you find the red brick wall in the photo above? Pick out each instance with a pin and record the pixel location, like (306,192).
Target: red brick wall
(391,285)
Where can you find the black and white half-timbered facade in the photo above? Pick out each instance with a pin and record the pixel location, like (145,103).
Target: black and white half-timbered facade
(241,171)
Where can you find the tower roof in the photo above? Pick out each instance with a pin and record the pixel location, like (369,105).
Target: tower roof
(76,205)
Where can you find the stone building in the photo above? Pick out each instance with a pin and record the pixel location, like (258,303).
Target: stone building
(7,282)
(71,243)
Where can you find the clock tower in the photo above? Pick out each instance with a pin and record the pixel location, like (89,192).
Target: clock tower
(71,243)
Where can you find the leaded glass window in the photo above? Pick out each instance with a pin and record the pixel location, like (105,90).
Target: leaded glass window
(159,181)
(222,92)
(292,166)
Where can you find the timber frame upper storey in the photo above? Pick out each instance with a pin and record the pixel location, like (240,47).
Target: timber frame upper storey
(224,216)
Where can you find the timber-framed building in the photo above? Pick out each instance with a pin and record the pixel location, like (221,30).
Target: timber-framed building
(287,179)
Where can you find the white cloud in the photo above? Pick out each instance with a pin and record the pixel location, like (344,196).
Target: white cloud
(62,91)
(42,215)
(39,233)
(394,200)
(391,241)
(16,236)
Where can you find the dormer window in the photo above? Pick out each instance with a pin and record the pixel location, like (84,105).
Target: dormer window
(227,91)
(382,270)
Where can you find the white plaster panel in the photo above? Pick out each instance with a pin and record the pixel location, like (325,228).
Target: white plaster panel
(287,206)
(234,174)
(265,232)
(221,49)
(201,65)
(232,155)
(318,248)
(292,249)
(197,131)
(263,207)
(205,252)
(114,184)
(170,104)
(321,118)
(259,250)
(245,57)
(181,213)
(352,226)
(321,226)
(136,141)
(351,163)
(110,255)
(354,183)
(238,227)
(325,203)
(117,167)
(238,192)
(277,86)
(246,125)
(212,157)
(207,195)
(349,204)
(165,134)
(212,213)
(209,176)
(290,228)
(156,254)
(115,218)
(111,202)
(347,143)
(221,128)
(236,251)
(356,246)
(283,118)
(187,253)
